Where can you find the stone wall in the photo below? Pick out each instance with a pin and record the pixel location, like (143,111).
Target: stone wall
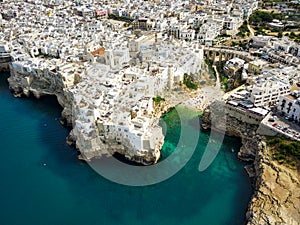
(265,130)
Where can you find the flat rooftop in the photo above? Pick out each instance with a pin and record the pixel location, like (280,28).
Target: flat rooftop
(291,97)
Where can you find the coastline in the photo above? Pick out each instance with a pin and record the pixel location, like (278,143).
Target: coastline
(117,71)
(192,103)
(23,84)
(275,199)
(67,172)
(199,100)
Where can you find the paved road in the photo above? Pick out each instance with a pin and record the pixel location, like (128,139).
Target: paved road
(251,30)
(218,83)
(213,93)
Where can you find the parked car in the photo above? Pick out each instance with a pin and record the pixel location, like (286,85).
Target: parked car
(271,119)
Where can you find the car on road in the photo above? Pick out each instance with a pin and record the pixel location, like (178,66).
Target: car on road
(271,119)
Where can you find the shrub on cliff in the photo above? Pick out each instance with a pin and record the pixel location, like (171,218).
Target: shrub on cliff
(284,150)
(158,99)
(189,83)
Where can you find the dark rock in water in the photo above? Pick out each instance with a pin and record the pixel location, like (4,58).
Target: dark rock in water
(63,121)
(134,161)
(17,92)
(70,140)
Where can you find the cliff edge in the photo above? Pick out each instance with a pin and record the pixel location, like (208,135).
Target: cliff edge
(276,198)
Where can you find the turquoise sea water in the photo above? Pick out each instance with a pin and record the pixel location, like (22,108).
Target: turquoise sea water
(42,182)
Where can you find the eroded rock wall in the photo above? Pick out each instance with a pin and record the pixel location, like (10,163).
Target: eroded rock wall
(276,198)
(87,140)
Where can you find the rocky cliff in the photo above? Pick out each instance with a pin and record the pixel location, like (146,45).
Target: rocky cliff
(276,198)
(215,117)
(25,84)
(78,112)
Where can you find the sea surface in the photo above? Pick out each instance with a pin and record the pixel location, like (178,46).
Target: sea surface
(43,182)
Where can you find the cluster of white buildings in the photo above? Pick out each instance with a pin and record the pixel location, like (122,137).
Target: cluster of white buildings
(272,82)
(108,74)
(275,91)
(116,106)
(109,71)
(266,90)
(185,20)
(274,49)
(290,105)
(276,86)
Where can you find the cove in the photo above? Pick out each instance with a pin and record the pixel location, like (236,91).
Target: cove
(43,182)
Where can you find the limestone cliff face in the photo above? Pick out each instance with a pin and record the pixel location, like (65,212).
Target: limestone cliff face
(277,192)
(86,138)
(215,117)
(4,67)
(276,198)
(26,83)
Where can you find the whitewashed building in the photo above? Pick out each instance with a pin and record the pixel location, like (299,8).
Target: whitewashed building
(290,105)
(266,91)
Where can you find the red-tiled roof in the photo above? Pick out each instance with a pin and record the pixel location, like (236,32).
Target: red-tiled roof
(99,51)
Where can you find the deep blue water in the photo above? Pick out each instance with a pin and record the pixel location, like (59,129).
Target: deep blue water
(42,182)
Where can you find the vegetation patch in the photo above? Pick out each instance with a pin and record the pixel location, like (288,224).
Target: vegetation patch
(293,36)
(158,99)
(243,30)
(284,150)
(189,82)
(119,18)
(263,17)
(224,83)
(210,68)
